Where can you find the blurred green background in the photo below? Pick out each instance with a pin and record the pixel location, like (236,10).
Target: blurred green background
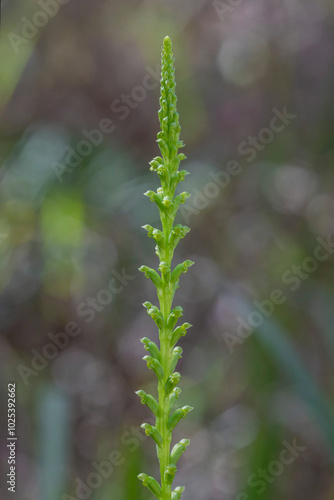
(79,101)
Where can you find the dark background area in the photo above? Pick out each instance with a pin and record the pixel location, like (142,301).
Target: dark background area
(261,217)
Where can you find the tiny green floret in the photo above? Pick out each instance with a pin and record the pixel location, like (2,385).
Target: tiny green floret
(164,359)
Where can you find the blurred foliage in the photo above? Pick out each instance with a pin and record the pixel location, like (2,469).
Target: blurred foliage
(70,221)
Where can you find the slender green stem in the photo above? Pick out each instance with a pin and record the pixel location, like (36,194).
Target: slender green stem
(163,361)
(164,452)
(166,355)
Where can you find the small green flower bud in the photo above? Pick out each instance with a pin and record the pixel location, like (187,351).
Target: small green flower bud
(151,195)
(153,311)
(179,176)
(147,304)
(157,169)
(177,493)
(164,268)
(157,235)
(164,105)
(153,364)
(172,381)
(155,197)
(177,354)
(163,148)
(162,138)
(149,230)
(181,268)
(175,418)
(149,401)
(166,201)
(165,123)
(178,414)
(175,314)
(152,274)
(156,162)
(174,396)
(177,230)
(156,315)
(152,404)
(151,347)
(162,170)
(182,175)
(141,394)
(177,160)
(178,449)
(152,431)
(151,484)
(181,198)
(179,332)
(170,472)
(173,149)
(176,234)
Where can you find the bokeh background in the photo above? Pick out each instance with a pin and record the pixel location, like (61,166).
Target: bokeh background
(70,224)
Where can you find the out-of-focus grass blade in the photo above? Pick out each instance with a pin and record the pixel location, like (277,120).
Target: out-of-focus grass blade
(12,68)
(53,425)
(123,483)
(15,49)
(266,447)
(276,341)
(133,488)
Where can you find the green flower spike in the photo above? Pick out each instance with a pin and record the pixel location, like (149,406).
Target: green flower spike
(163,359)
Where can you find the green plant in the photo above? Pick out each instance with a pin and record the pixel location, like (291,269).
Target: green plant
(163,361)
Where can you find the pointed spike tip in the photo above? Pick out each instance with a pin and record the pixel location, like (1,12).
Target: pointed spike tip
(167,40)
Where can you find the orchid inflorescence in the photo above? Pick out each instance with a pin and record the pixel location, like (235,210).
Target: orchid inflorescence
(163,359)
